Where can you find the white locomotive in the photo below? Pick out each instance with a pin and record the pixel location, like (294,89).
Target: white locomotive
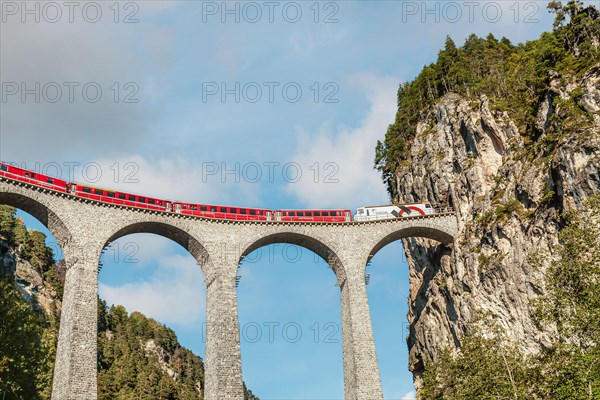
(392,211)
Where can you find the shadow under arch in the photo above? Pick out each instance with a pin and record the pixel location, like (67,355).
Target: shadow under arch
(42,212)
(178,235)
(310,243)
(428,233)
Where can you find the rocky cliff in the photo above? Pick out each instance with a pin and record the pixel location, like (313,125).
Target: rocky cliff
(509,183)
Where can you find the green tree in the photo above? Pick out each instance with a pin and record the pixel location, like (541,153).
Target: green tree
(21,351)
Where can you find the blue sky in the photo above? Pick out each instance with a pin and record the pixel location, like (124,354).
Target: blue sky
(163,127)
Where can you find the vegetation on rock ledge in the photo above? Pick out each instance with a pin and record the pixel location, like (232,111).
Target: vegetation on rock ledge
(490,366)
(515,78)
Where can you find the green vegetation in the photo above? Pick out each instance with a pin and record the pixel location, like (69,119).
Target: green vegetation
(138,358)
(490,366)
(515,78)
(22,351)
(27,336)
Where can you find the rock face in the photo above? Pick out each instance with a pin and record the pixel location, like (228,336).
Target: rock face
(509,192)
(39,293)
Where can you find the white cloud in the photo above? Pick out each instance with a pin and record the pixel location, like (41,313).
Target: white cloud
(175,178)
(410,396)
(349,152)
(174,294)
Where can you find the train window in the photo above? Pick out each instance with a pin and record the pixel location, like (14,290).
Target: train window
(234,210)
(243,211)
(309,213)
(301,213)
(326,213)
(121,196)
(213,209)
(252,212)
(98,191)
(159,202)
(131,198)
(50,180)
(194,208)
(292,213)
(427,205)
(111,194)
(141,199)
(3,168)
(317,213)
(223,209)
(203,208)
(86,190)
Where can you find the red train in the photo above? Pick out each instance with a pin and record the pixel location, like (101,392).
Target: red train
(34,178)
(150,203)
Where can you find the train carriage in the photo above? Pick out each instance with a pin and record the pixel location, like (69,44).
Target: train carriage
(119,198)
(312,215)
(222,212)
(367,213)
(32,177)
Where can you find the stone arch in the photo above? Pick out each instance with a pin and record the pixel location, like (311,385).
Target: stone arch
(42,212)
(172,232)
(436,234)
(311,243)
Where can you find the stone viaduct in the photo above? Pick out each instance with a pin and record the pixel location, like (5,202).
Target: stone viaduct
(83,228)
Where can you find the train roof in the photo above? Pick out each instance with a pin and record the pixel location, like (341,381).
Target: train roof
(116,191)
(220,205)
(312,209)
(391,205)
